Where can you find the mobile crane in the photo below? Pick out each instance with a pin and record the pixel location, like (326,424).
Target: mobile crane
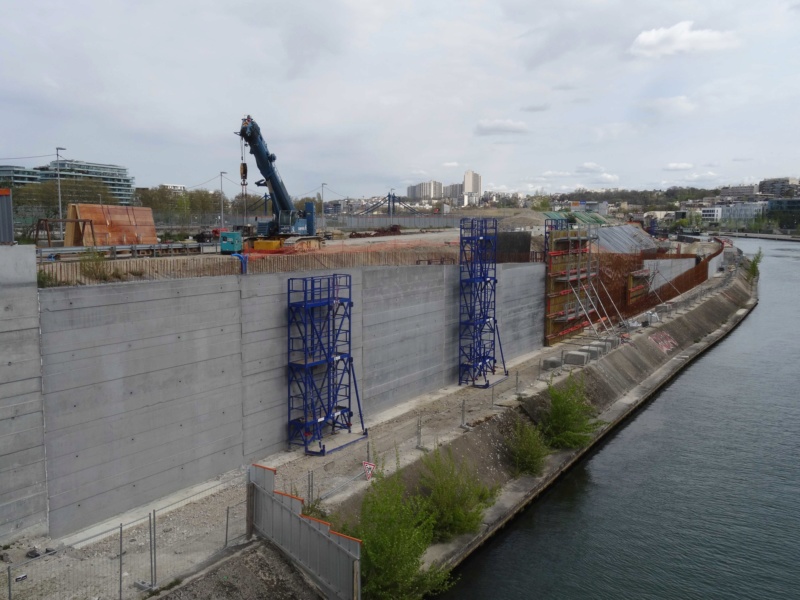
(289,226)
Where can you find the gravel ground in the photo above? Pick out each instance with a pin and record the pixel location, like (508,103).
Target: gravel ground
(258,572)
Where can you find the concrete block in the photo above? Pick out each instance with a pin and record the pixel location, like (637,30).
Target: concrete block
(551,362)
(575,357)
(593,352)
(601,345)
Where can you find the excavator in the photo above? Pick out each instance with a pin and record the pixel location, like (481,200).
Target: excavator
(289,227)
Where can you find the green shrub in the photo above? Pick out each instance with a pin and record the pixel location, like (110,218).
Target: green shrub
(457,497)
(527,448)
(396,531)
(568,423)
(93,266)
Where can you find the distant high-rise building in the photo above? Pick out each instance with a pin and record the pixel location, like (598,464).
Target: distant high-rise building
(115,178)
(472,183)
(454,191)
(735,191)
(780,187)
(427,190)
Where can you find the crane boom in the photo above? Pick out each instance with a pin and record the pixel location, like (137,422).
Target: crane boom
(250,132)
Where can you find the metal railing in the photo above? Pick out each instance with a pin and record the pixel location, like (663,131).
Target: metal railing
(331,558)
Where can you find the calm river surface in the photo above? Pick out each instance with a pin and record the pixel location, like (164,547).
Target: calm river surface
(698,496)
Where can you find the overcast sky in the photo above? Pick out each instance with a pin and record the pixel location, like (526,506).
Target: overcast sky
(368,95)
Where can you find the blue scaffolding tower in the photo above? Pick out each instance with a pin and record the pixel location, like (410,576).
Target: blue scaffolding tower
(478,331)
(322,378)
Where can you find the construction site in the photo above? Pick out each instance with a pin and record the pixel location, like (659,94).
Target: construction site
(139,377)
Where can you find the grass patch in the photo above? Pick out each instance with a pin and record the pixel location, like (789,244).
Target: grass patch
(46,280)
(93,266)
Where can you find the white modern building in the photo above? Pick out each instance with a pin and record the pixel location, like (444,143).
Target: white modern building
(739,212)
(115,178)
(14,176)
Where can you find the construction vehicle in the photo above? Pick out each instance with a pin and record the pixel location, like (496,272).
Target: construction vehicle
(289,226)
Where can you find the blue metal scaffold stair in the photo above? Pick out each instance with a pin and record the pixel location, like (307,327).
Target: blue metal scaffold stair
(479,336)
(322,379)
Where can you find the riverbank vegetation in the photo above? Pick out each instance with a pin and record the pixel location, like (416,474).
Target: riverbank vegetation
(569,422)
(753,271)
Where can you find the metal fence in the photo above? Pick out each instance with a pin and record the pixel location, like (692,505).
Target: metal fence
(332,559)
(131,560)
(180,267)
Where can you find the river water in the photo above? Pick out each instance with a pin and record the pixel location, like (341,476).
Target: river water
(698,496)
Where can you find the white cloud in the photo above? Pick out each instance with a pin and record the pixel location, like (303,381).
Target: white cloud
(500,127)
(450,164)
(679,166)
(556,174)
(675,106)
(589,167)
(536,107)
(707,176)
(606,178)
(680,38)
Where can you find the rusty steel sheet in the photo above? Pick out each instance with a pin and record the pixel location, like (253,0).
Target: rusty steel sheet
(113,225)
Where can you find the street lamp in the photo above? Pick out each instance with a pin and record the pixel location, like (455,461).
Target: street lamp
(322,197)
(58,183)
(221,201)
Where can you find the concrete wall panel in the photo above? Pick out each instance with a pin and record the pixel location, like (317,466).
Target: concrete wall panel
(140,381)
(23,488)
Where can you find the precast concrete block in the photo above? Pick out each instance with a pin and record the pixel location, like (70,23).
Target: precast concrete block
(576,357)
(593,352)
(601,345)
(551,362)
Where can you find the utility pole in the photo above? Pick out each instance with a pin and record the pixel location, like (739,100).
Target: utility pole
(58,184)
(221,201)
(323,205)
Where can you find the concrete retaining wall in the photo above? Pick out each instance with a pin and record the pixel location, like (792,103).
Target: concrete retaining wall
(23,488)
(142,388)
(151,387)
(668,269)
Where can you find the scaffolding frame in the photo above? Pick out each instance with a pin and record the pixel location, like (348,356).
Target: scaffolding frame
(321,374)
(572,301)
(479,335)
